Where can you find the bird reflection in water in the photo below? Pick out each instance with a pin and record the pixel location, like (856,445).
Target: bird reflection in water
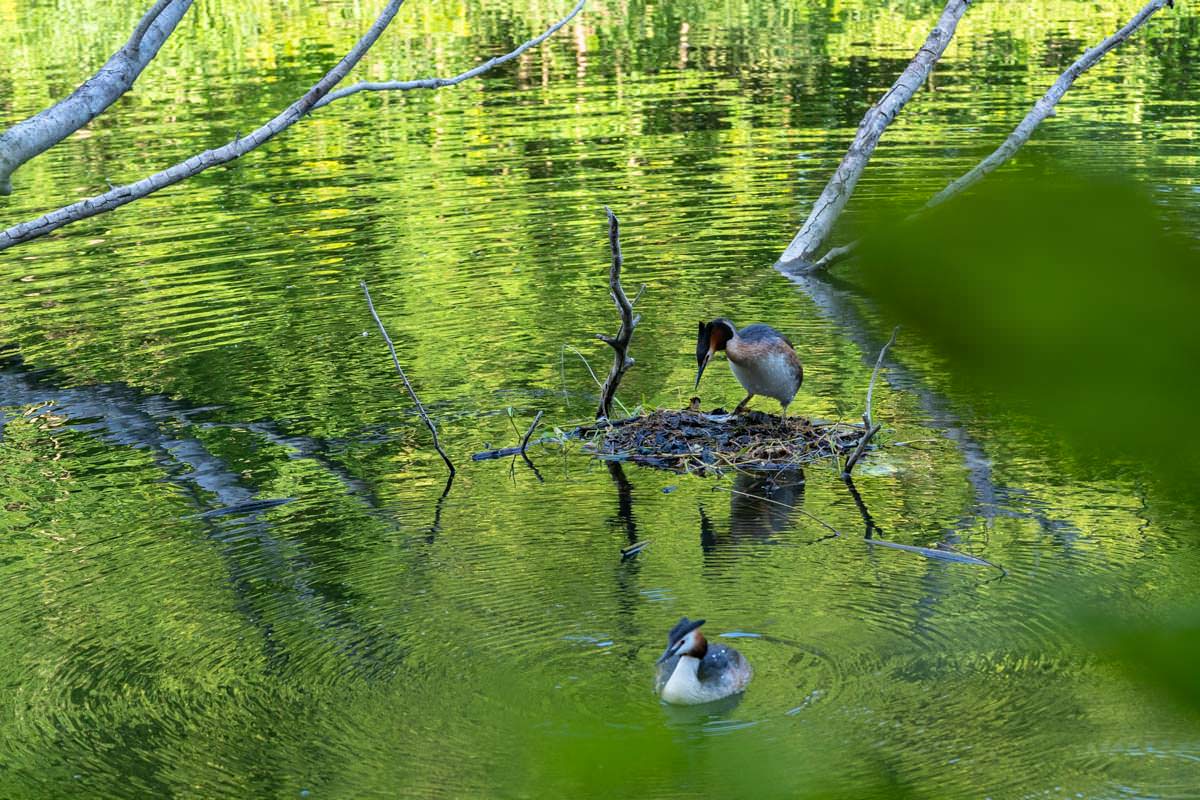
(761,505)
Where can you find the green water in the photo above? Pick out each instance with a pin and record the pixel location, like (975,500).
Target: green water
(226,565)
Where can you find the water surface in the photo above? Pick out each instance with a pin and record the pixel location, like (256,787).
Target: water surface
(227,565)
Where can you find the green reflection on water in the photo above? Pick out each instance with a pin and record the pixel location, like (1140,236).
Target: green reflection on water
(368,639)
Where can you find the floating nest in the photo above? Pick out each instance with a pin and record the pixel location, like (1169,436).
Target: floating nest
(694,441)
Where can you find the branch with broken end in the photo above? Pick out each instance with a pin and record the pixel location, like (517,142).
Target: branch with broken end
(619,343)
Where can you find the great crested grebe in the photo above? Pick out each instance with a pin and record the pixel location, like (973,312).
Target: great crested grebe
(762,359)
(692,671)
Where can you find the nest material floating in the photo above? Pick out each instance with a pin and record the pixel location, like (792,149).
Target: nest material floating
(691,440)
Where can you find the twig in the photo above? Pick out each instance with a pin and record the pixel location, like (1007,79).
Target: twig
(411,392)
(528,433)
(503,452)
(841,185)
(121,195)
(619,343)
(1042,109)
(869,427)
(438,83)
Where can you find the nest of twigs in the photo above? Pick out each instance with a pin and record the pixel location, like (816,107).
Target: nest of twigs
(691,440)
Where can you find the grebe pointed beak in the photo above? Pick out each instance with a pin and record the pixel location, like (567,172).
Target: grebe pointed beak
(703,364)
(670,651)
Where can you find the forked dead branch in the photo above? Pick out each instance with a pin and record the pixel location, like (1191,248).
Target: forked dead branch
(619,343)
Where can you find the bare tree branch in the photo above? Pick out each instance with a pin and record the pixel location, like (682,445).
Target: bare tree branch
(1045,106)
(135,41)
(1042,109)
(121,195)
(30,137)
(869,426)
(438,83)
(620,342)
(841,185)
(411,392)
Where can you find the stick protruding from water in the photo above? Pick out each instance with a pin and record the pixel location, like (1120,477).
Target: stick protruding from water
(411,392)
(629,321)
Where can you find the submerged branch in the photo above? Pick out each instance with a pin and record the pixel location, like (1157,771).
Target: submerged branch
(29,138)
(411,392)
(619,343)
(1042,109)
(827,209)
(121,195)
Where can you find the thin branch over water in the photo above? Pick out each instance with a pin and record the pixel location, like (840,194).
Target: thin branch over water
(411,392)
(122,195)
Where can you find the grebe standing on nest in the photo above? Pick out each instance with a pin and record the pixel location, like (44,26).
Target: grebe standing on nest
(692,671)
(762,359)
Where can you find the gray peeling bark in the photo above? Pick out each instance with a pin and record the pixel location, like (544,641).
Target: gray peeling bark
(121,195)
(799,254)
(1042,109)
(43,130)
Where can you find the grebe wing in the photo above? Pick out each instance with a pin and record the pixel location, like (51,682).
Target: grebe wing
(760,332)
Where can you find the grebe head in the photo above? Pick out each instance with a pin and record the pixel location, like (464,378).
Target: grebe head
(713,336)
(685,639)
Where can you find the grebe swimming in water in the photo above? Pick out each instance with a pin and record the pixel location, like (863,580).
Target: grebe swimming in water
(692,671)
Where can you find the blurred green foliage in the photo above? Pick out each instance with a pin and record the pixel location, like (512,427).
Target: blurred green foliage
(1068,297)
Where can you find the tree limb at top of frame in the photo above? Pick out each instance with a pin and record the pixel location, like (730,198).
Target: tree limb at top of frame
(1042,109)
(840,187)
(122,195)
(31,137)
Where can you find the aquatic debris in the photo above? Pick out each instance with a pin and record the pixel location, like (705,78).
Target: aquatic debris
(632,550)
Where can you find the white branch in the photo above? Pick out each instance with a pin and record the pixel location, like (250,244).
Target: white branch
(438,83)
(837,192)
(121,195)
(1045,106)
(1042,109)
(30,137)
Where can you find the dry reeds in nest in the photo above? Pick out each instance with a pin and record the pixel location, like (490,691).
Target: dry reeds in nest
(693,441)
